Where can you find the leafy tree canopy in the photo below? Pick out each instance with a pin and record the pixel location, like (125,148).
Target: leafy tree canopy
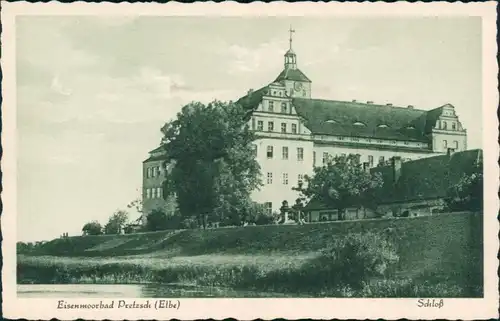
(341,183)
(116,222)
(92,228)
(213,166)
(467,193)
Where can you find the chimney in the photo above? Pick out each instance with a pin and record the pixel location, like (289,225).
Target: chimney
(366,167)
(389,104)
(410,106)
(369,102)
(396,168)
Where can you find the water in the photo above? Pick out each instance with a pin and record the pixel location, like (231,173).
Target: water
(133,291)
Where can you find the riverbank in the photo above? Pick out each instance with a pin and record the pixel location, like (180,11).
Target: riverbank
(438,256)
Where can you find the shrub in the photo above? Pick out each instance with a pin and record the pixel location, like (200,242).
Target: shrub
(92,228)
(354,259)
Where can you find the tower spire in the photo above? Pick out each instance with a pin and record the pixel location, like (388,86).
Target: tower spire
(291,31)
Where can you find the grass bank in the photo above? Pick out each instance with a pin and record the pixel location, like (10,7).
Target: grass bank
(437,256)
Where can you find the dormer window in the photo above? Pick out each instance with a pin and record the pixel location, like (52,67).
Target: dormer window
(382,126)
(331,121)
(359,124)
(410,127)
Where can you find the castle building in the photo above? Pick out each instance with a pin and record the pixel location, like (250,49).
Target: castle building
(296,132)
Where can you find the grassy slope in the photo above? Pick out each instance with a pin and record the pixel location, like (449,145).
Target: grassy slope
(443,246)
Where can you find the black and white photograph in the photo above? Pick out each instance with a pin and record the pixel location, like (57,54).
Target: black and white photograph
(256,156)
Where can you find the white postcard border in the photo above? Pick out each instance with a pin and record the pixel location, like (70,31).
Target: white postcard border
(483,308)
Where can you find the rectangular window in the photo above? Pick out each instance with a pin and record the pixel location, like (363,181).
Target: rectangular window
(325,158)
(445,144)
(260,125)
(284,153)
(148,172)
(314,158)
(285,178)
(283,127)
(455,144)
(453,126)
(269,151)
(271,107)
(254,150)
(269,178)
(148,193)
(153,193)
(268,208)
(283,108)
(294,128)
(381,160)
(300,179)
(158,192)
(300,153)
(153,172)
(270,126)
(340,138)
(370,160)
(253,123)
(445,125)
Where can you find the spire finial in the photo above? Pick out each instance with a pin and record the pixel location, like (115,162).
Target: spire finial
(291,31)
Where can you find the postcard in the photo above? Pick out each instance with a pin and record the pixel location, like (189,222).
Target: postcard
(225,160)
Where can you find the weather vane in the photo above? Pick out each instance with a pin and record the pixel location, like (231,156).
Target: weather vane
(291,32)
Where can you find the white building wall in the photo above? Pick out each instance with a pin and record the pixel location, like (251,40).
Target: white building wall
(277,191)
(336,150)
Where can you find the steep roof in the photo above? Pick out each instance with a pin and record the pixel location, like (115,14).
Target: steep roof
(156,154)
(292,74)
(331,117)
(426,178)
(252,99)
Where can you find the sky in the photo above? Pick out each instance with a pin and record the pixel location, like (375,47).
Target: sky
(93,92)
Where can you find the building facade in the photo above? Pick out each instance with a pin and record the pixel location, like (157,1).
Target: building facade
(297,132)
(153,175)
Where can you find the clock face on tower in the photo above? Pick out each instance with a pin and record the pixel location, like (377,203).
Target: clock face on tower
(297,86)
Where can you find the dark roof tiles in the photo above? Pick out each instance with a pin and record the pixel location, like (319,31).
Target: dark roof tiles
(319,114)
(423,179)
(292,74)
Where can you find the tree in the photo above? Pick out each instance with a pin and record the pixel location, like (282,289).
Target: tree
(341,183)
(156,220)
(467,193)
(116,222)
(92,228)
(213,167)
(257,215)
